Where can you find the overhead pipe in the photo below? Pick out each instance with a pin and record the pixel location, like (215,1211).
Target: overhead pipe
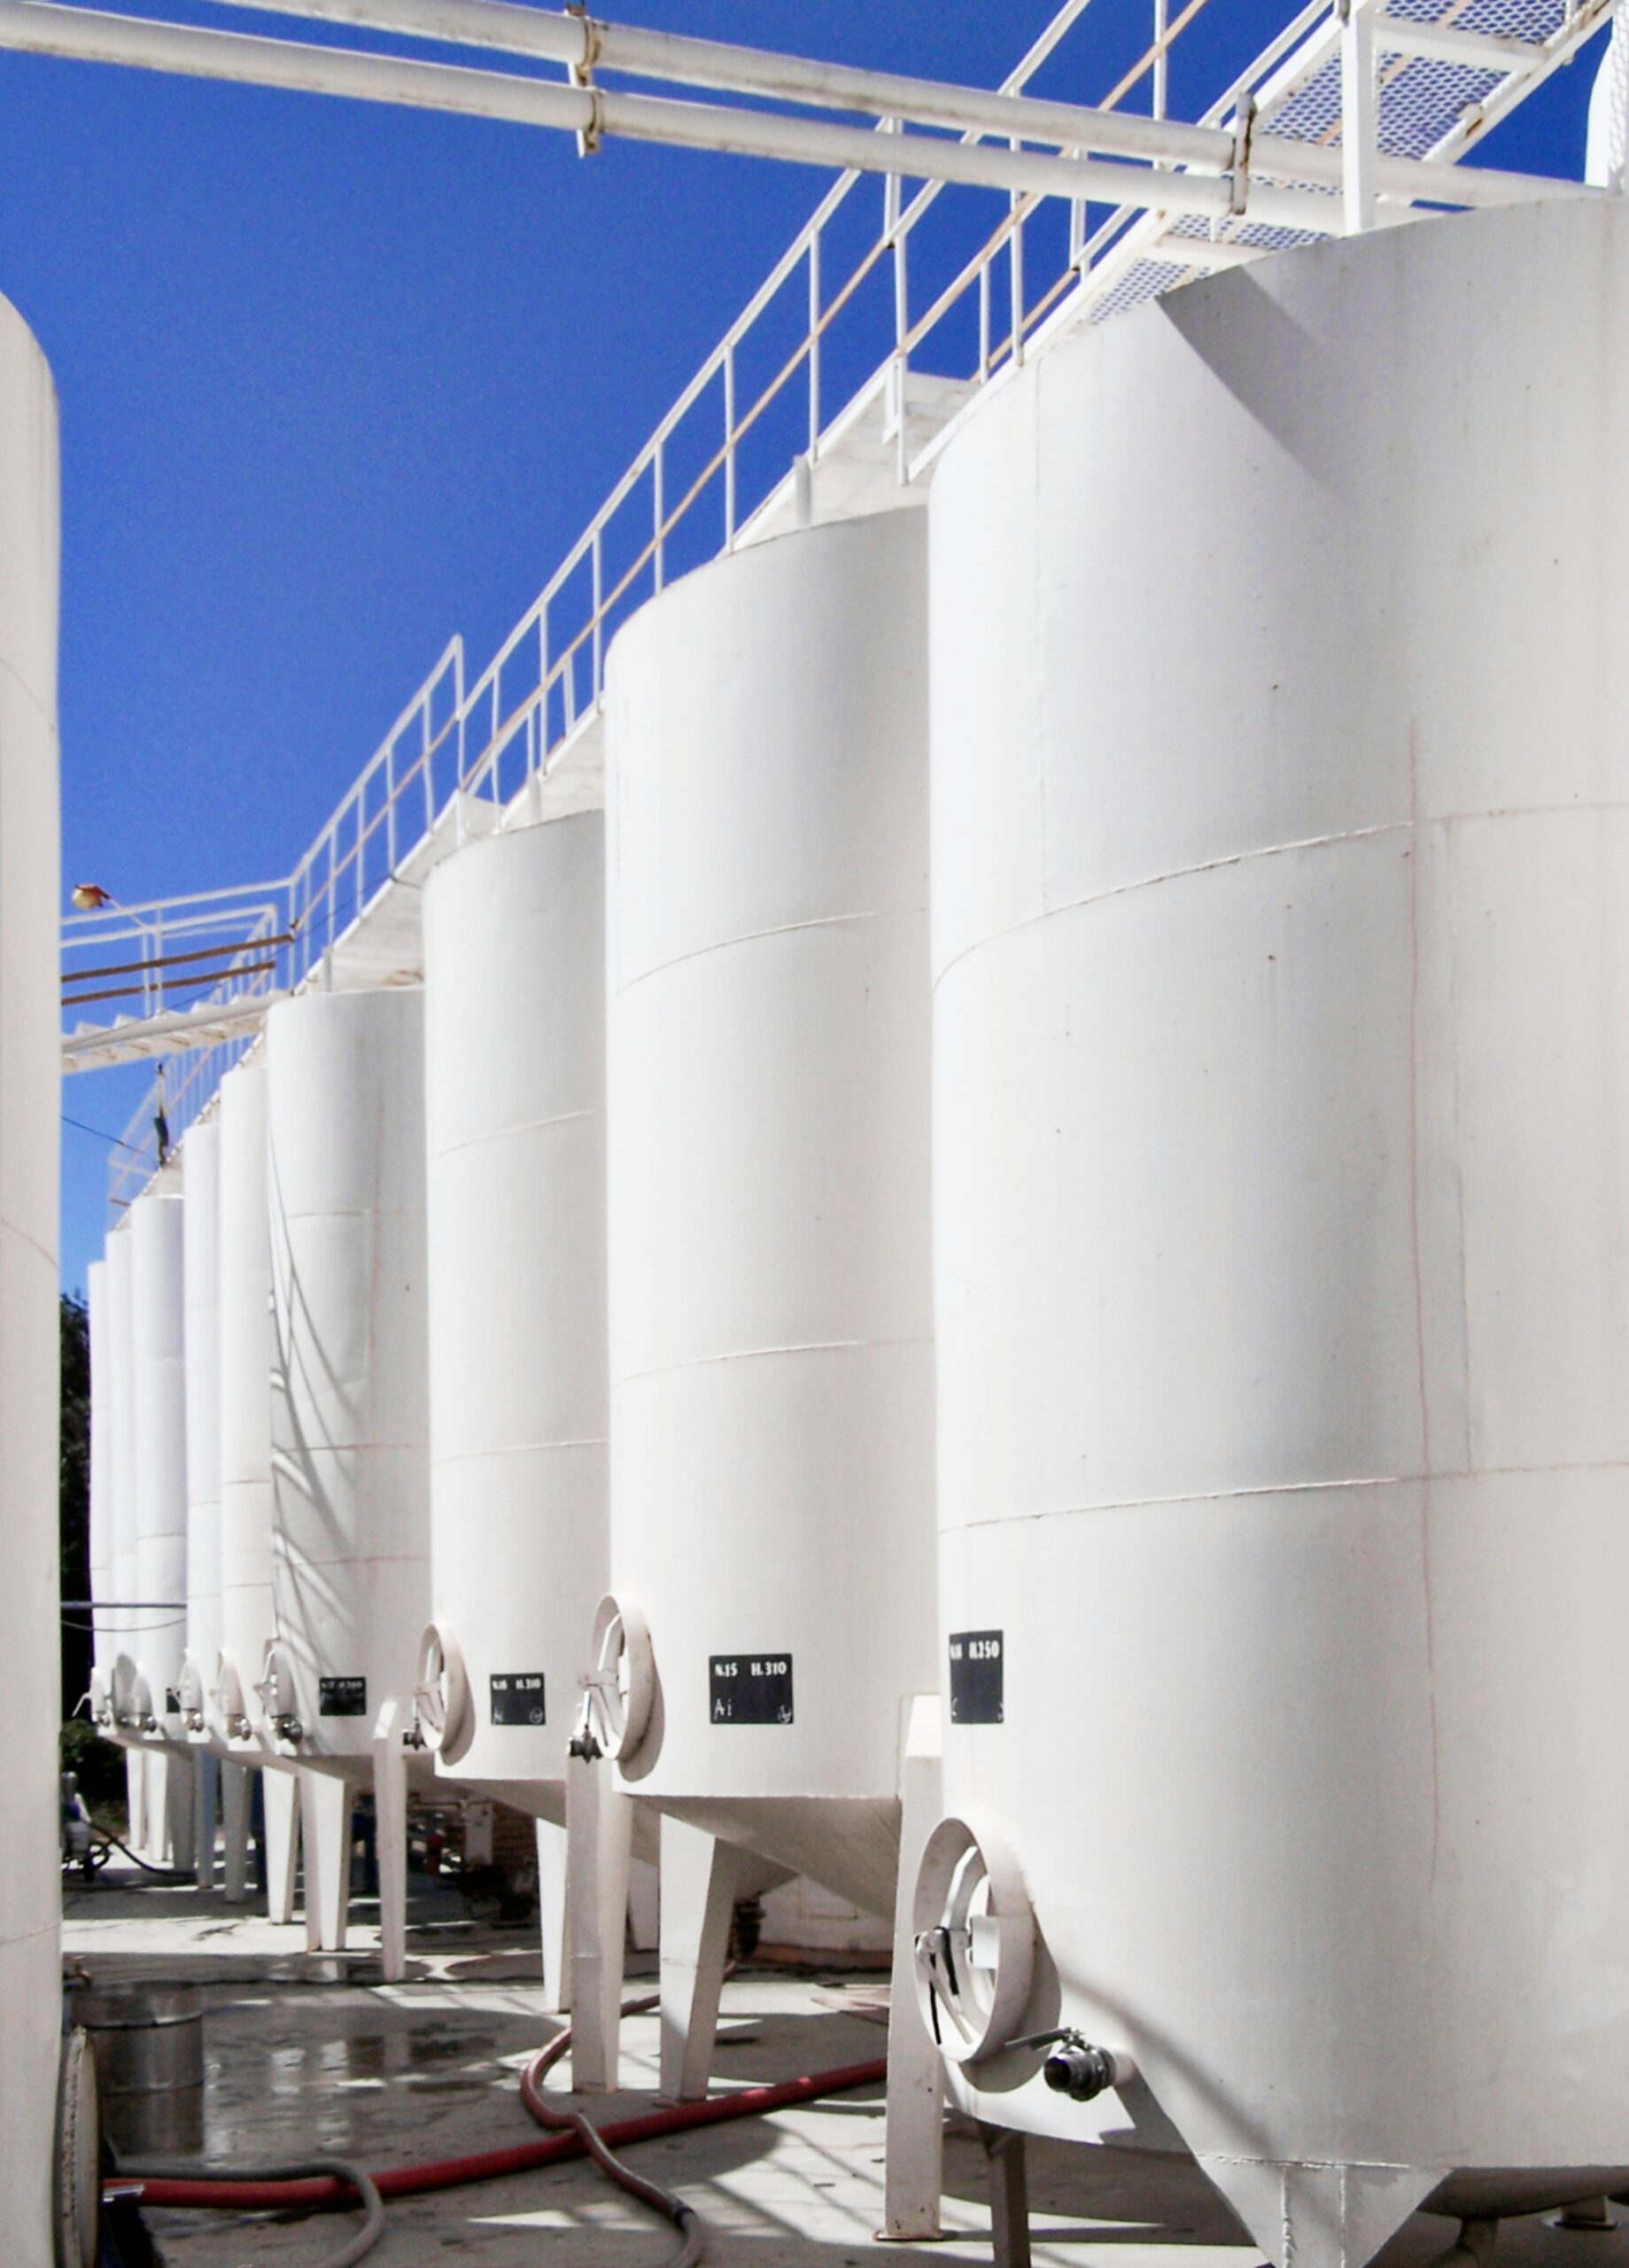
(583,45)
(40,26)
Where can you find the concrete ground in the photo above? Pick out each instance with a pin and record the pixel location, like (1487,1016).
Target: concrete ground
(315,2054)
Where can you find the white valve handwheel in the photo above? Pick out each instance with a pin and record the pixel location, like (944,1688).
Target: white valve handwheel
(974,1941)
(622,1686)
(446,1714)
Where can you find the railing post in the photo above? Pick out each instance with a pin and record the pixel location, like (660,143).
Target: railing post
(729,446)
(814,344)
(1359,115)
(390,806)
(894,404)
(984,322)
(1015,269)
(658,512)
(1162,59)
(543,679)
(599,617)
(902,335)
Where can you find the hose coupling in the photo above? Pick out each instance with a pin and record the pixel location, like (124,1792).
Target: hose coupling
(1075,2066)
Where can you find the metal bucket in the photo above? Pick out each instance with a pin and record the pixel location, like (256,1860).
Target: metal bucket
(149,2045)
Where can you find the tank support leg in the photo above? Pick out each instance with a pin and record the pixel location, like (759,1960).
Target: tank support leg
(701,1881)
(155,1844)
(599,1829)
(280,1794)
(235,1793)
(1009,2196)
(206,1794)
(135,1797)
(180,1783)
(644,1907)
(552,1893)
(390,1811)
(913,2180)
(325,1831)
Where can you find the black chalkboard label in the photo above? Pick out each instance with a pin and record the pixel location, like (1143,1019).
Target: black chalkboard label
(750,1688)
(517,1699)
(976,1658)
(342,1697)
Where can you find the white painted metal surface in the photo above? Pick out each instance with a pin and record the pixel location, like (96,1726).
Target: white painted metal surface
(29,1993)
(245,1380)
(515,1003)
(350,1418)
(158,1341)
(118,1395)
(104,1633)
(771,1359)
(1280,869)
(201,1286)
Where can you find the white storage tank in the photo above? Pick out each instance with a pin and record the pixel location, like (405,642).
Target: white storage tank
(349,1415)
(245,1386)
(103,1625)
(515,1008)
(201,1283)
(118,1397)
(1281,941)
(30,2000)
(770,1299)
(158,1342)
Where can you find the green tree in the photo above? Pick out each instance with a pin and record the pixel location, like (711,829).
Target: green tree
(74,1497)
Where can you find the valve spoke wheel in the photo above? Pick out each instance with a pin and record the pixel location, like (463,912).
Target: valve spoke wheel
(620,1690)
(442,1696)
(974,1941)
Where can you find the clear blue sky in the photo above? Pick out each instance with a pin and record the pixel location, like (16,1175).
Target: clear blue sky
(337,381)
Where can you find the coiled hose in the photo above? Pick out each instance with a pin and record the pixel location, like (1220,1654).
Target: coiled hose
(360,2186)
(692,2237)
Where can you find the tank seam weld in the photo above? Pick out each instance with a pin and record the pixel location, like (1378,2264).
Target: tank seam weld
(755,1353)
(1245,858)
(455,1457)
(39,707)
(1290,1489)
(755,936)
(503,1133)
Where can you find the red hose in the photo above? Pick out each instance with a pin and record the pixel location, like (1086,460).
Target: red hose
(492,2166)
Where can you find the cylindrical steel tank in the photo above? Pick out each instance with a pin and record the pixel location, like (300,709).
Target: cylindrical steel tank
(104,1635)
(29,1996)
(769,1296)
(514,1060)
(201,1286)
(1281,932)
(350,1406)
(119,1401)
(157,1340)
(246,1383)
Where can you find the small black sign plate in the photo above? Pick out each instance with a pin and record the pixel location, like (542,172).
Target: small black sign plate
(342,1697)
(517,1699)
(976,1661)
(172,1702)
(750,1688)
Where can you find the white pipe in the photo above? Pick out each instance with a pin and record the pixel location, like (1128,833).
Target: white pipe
(35,26)
(38,27)
(682,60)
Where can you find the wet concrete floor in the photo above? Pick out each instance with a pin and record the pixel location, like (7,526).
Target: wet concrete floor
(307,2054)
